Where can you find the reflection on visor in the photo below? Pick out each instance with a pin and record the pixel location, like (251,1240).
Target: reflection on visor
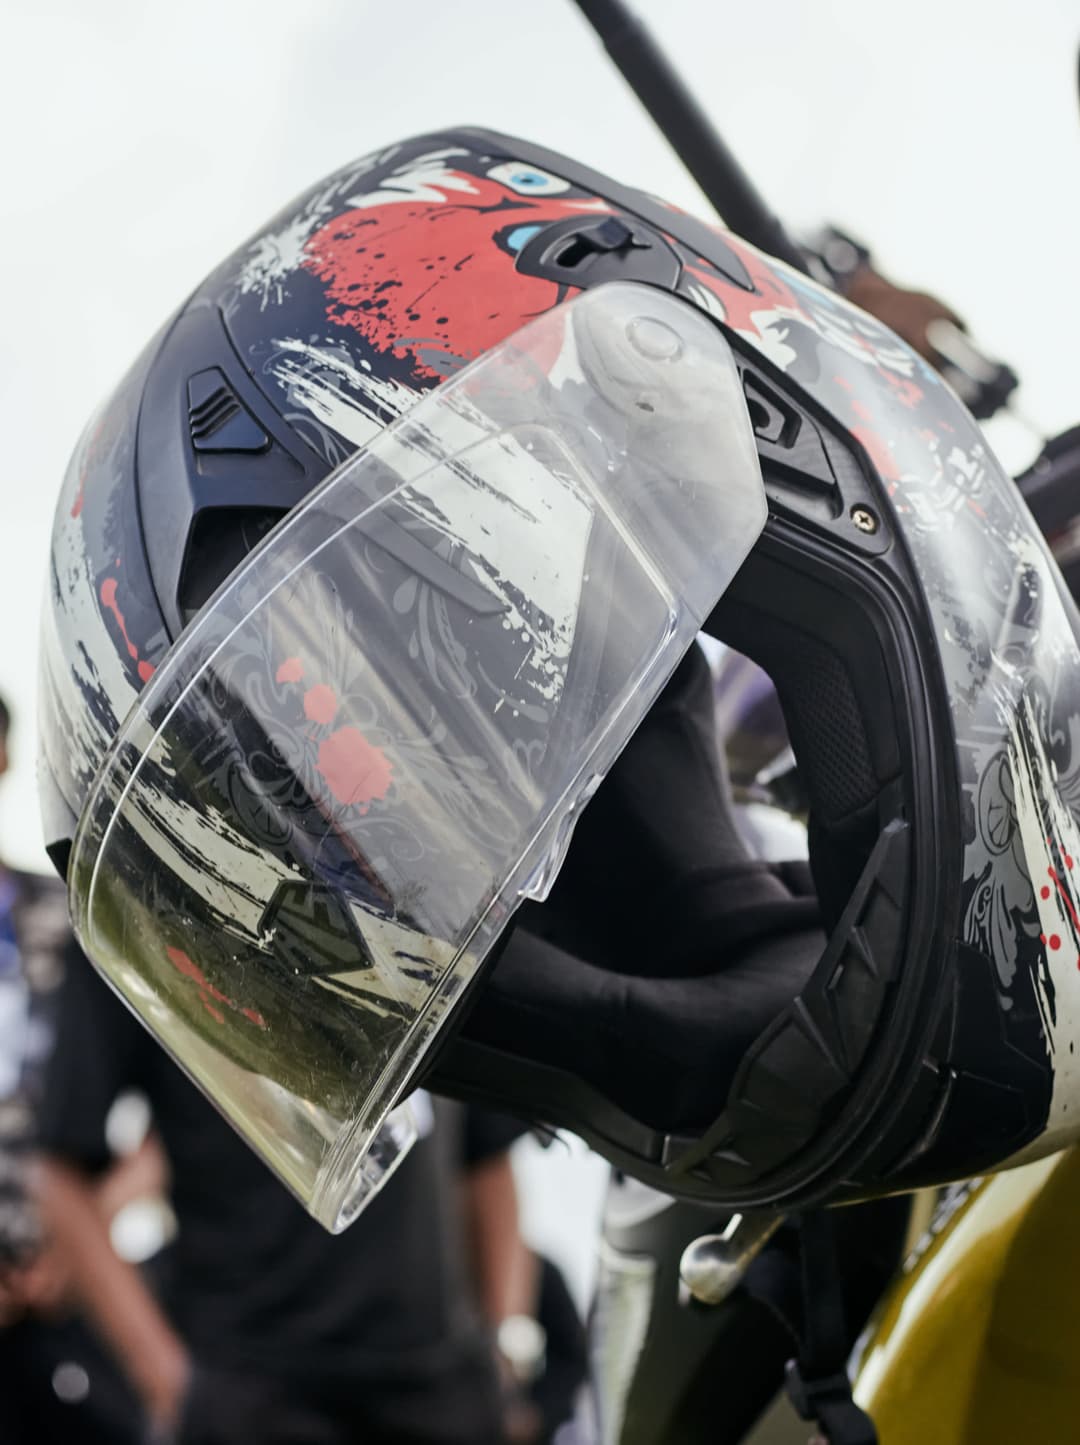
(376,738)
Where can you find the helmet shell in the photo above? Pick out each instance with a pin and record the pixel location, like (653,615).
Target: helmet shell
(956,694)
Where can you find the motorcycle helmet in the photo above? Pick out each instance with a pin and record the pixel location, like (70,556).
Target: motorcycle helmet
(379,562)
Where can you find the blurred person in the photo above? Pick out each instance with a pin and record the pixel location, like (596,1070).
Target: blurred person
(57,1384)
(539,1335)
(267,1328)
(503,1269)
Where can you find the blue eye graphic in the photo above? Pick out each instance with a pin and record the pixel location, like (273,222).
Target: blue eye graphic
(527,180)
(520,236)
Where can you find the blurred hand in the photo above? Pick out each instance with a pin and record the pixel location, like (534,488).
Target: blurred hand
(12,1306)
(41,1286)
(143,1174)
(46,1281)
(908,313)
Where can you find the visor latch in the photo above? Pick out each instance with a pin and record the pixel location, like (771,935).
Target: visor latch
(612,234)
(586,252)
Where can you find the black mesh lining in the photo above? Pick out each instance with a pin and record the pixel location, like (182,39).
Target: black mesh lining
(836,695)
(827,729)
(838,704)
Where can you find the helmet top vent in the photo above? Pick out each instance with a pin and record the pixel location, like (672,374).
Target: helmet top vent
(218,420)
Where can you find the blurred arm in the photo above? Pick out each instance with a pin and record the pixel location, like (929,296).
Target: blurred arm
(113,1293)
(505,1268)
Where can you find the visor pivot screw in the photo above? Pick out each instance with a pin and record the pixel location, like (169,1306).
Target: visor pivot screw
(864,519)
(654,340)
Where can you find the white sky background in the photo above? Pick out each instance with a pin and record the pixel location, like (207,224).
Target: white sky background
(142,142)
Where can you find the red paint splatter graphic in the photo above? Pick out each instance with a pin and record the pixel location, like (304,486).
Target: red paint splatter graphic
(183,964)
(320,704)
(741,307)
(291,670)
(91,456)
(908,393)
(878,452)
(356,772)
(1065,898)
(1061,883)
(428,280)
(108,601)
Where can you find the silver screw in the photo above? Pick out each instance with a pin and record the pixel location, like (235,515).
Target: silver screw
(864,519)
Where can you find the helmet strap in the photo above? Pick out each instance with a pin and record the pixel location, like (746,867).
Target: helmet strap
(817,1381)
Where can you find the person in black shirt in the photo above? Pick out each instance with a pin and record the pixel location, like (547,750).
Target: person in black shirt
(269,1329)
(57,1384)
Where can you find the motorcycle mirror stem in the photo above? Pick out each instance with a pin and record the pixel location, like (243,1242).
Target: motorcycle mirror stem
(983,384)
(688,130)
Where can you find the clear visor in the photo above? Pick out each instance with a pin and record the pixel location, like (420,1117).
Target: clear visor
(376,738)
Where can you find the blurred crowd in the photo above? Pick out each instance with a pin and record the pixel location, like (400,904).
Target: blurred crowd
(157,1284)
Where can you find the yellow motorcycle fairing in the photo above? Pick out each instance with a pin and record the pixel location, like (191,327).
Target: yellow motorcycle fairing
(977,1342)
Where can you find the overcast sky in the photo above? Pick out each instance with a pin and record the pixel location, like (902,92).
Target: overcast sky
(142,142)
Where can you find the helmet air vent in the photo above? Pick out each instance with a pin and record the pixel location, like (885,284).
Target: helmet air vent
(218,420)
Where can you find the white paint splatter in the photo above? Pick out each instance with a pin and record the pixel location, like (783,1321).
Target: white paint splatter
(275,255)
(427,178)
(707,300)
(526,528)
(1050,840)
(343,396)
(771,334)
